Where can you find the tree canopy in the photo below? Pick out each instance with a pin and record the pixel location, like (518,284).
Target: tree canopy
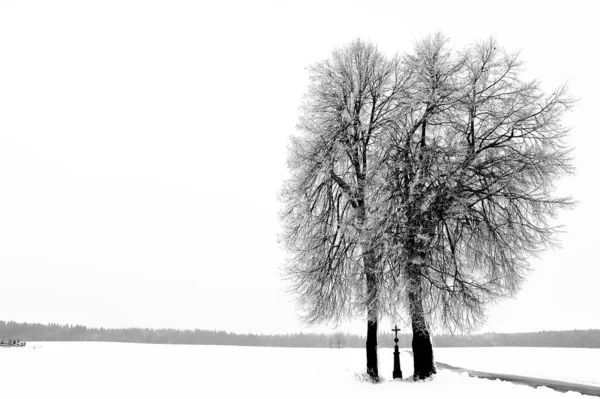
(421,185)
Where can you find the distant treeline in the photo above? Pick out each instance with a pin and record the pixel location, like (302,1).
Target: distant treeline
(57,332)
(558,339)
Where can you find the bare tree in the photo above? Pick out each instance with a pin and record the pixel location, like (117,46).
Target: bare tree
(470,186)
(332,196)
(340,339)
(420,185)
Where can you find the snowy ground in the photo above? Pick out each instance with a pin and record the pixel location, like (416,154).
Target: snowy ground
(565,364)
(114,370)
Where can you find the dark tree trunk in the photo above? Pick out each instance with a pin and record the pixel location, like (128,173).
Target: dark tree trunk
(372,361)
(372,321)
(424,364)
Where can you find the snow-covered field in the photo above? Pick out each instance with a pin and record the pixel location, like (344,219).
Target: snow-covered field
(565,364)
(116,370)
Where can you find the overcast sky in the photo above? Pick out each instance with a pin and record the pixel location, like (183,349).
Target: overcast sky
(143,144)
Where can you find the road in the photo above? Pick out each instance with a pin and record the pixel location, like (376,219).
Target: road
(561,386)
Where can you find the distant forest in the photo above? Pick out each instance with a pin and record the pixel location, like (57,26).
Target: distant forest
(57,332)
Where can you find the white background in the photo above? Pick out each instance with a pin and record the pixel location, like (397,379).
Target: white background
(143,144)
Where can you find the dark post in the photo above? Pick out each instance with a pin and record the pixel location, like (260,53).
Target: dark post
(397,370)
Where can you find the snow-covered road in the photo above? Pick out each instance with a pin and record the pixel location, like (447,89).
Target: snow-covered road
(578,365)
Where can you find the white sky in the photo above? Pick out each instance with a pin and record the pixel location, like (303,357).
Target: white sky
(143,144)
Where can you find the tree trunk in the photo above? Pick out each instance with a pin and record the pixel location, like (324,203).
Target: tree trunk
(372,319)
(372,360)
(424,363)
(370,268)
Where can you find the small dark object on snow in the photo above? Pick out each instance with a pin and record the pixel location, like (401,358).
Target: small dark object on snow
(12,342)
(397,371)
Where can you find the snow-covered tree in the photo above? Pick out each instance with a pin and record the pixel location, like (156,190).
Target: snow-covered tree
(332,196)
(421,186)
(470,185)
